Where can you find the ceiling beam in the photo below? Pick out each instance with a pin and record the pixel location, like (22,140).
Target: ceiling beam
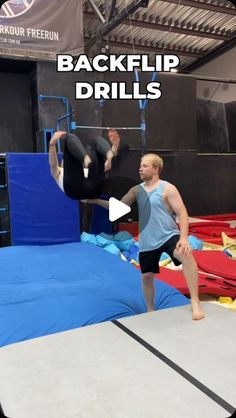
(105,29)
(151,48)
(97,11)
(204,5)
(174,29)
(212,55)
(127,11)
(110,6)
(166,28)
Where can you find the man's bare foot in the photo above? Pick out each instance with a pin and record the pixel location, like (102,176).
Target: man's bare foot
(114,138)
(150,308)
(197,312)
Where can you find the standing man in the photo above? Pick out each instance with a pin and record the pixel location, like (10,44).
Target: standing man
(158,204)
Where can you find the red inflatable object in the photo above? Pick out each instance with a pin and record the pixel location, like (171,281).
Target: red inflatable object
(207,285)
(207,224)
(207,238)
(211,231)
(223,217)
(216,262)
(210,285)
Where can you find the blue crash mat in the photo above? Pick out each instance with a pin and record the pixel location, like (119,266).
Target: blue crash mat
(48,289)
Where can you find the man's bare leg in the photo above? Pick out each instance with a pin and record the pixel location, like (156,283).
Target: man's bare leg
(191,276)
(148,290)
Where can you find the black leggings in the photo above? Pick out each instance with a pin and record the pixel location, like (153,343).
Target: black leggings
(76,186)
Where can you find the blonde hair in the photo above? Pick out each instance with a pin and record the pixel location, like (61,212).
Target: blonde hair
(156,160)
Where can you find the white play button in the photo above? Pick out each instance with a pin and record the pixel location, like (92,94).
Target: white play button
(117,209)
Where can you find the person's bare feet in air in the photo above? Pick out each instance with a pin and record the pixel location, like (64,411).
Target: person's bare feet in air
(55,138)
(87,161)
(108,162)
(114,139)
(197,312)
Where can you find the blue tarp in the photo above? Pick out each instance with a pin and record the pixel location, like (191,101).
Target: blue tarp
(48,289)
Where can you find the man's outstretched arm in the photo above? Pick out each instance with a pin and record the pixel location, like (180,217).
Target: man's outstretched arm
(127,199)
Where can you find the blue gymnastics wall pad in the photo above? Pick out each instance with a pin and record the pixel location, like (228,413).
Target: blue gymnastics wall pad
(40,213)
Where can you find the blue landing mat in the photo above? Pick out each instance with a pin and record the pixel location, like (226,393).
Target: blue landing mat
(48,289)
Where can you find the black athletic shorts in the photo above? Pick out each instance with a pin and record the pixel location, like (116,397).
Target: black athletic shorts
(149,260)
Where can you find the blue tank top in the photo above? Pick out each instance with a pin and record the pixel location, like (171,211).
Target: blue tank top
(156,223)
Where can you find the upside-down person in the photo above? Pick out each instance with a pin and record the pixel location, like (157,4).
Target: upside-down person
(82,170)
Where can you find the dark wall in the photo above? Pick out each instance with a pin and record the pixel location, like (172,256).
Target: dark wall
(171,120)
(207,183)
(16,134)
(230,109)
(50,82)
(212,127)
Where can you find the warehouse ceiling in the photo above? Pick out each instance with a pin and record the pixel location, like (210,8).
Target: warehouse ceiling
(195,30)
